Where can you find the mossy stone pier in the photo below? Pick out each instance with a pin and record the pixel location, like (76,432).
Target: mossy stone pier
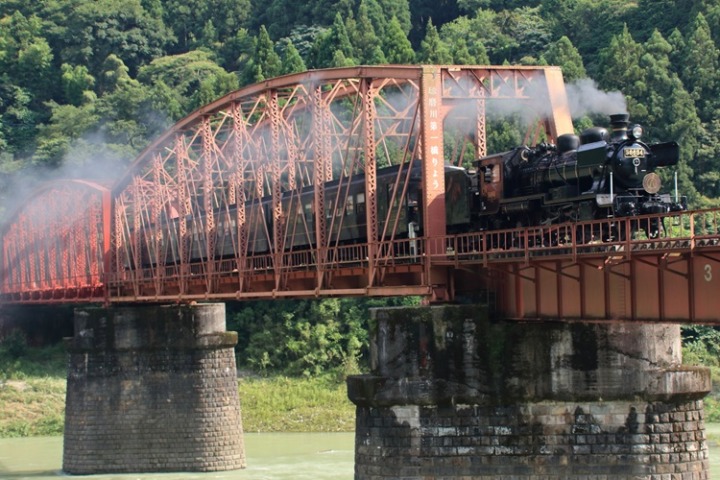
(454,395)
(152,389)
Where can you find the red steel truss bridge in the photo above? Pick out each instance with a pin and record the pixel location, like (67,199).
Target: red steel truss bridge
(213,209)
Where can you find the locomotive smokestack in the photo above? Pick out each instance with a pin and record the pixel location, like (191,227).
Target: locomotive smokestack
(619,125)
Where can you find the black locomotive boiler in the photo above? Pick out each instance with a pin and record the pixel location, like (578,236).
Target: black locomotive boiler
(596,175)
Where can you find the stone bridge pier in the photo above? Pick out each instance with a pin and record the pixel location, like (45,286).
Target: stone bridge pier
(455,395)
(152,389)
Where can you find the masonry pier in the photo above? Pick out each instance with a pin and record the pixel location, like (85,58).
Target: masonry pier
(455,395)
(152,389)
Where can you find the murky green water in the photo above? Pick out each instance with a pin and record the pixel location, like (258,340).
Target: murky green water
(270,456)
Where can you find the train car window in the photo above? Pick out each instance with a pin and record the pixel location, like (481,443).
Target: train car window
(308,211)
(349,206)
(360,204)
(390,195)
(329,209)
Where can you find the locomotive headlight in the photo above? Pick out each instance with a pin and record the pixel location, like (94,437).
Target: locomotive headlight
(636,132)
(652,183)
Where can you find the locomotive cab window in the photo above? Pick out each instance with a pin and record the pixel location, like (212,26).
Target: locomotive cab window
(412,197)
(488,173)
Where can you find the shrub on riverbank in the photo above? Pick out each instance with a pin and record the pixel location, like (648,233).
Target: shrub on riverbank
(32,388)
(283,404)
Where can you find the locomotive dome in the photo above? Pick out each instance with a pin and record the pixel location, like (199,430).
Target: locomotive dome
(594,134)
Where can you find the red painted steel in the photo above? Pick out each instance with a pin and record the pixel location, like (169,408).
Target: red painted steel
(249,197)
(566,272)
(52,250)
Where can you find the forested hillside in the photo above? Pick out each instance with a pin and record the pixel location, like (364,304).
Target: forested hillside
(88,83)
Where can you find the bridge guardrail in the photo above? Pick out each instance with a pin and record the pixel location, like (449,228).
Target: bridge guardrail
(612,238)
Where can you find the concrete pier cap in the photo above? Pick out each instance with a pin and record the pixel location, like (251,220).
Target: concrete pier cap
(152,389)
(454,394)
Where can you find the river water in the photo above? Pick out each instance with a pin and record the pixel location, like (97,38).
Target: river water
(270,456)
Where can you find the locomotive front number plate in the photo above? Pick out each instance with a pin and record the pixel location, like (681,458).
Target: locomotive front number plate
(634,152)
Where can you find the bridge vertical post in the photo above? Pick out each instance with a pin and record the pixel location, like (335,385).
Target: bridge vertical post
(238,193)
(433,175)
(456,394)
(371,213)
(276,192)
(321,166)
(560,121)
(152,389)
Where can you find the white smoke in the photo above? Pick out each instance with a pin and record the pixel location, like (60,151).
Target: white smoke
(585,98)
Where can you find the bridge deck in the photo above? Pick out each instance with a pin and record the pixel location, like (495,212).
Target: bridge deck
(607,269)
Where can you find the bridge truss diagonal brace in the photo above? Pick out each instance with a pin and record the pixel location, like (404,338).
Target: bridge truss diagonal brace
(642,288)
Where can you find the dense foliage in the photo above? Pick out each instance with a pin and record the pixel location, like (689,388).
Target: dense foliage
(307,338)
(86,84)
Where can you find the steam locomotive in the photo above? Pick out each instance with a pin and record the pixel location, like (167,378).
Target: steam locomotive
(598,174)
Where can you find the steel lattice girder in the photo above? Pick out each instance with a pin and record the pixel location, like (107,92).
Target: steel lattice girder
(57,246)
(208,176)
(275,139)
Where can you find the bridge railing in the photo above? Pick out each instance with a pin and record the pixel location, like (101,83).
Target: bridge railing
(610,237)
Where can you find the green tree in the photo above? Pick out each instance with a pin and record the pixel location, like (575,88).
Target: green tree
(589,24)
(292,62)
(564,54)
(433,49)
(77,84)
(381,11)
(185,73)
(486,41)
(323,12)
(700,66)
(190,21)
(331,44)
(26,59)
(396,45)
(421,11)
(671,110)
(528,30)
(18,120)
(705,164)
(340,60)
(93,30)
(367,47)
(67,124)
(465,41)
(236,51)
(265,62)
(663,16)
(677,42)
(621,70)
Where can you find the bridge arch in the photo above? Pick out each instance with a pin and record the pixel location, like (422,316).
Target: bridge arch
(56,246)
(231,178)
